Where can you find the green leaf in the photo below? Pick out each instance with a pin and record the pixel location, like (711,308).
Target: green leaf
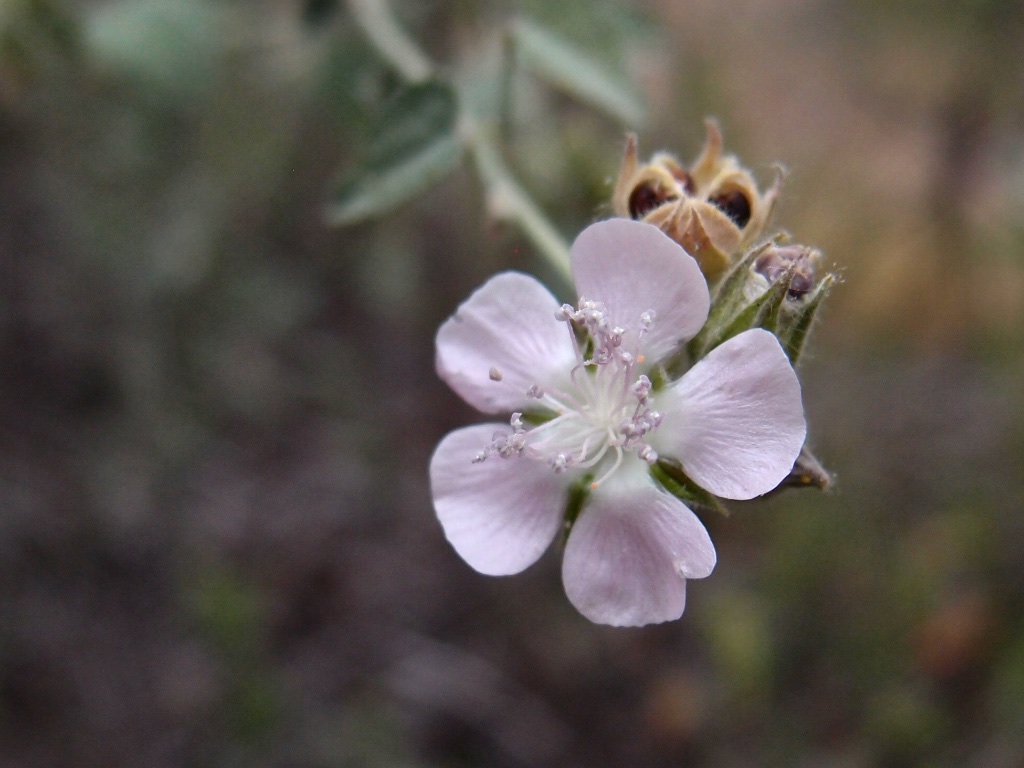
(568,68)
(415,147)
(172,50)
(609,29)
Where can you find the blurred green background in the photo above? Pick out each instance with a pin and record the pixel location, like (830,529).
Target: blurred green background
(217,546)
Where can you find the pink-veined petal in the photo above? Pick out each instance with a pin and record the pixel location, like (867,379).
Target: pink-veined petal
(735,420)
(501,341)
(630,552)
(632,267)
(500,514)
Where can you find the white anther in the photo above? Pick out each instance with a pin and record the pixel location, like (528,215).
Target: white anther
(648,454)
(495,374)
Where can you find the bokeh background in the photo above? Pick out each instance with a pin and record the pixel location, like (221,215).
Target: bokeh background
(217,546)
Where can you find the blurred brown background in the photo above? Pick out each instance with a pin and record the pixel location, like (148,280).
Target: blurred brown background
(217,546)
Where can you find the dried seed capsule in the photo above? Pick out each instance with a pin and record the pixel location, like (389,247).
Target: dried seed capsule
(733,204)
(713,209)
(645,198)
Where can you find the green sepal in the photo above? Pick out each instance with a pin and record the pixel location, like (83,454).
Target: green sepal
(726,303)
(730,294)
(661,376)
(416,146)
(794,327)
(670,475)
(536,417)
(579,491)
(762,312)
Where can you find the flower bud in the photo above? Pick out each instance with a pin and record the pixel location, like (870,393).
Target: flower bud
(798,261)
(713,209)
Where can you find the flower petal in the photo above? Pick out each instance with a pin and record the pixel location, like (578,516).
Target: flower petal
(501,341)
(630,552)
(499,514)
(632,267)
(735,420)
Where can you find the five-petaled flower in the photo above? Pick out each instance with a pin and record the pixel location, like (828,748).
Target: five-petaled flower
(587,423)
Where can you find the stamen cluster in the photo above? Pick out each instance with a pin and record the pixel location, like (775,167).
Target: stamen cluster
(607,411)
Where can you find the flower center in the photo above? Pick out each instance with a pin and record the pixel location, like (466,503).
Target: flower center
(604,413)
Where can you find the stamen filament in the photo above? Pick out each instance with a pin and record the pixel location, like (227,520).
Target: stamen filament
(618,462)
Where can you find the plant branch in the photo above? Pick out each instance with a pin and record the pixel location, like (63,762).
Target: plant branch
(506,200)
(382,28)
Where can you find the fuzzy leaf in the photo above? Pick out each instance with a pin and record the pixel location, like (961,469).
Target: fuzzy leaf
(565,66)
(415,147)
(172,50)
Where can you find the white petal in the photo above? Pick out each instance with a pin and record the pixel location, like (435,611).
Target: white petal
(735,420)
(501,341)
(630,552)
(499,514)
(633,267)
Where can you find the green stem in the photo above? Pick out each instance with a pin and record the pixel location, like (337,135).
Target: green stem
(506,83)
(382,28)
(507,201)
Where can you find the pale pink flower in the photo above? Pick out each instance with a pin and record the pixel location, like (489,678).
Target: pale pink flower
(584,424)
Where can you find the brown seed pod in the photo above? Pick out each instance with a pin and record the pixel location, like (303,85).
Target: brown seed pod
(713,209)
